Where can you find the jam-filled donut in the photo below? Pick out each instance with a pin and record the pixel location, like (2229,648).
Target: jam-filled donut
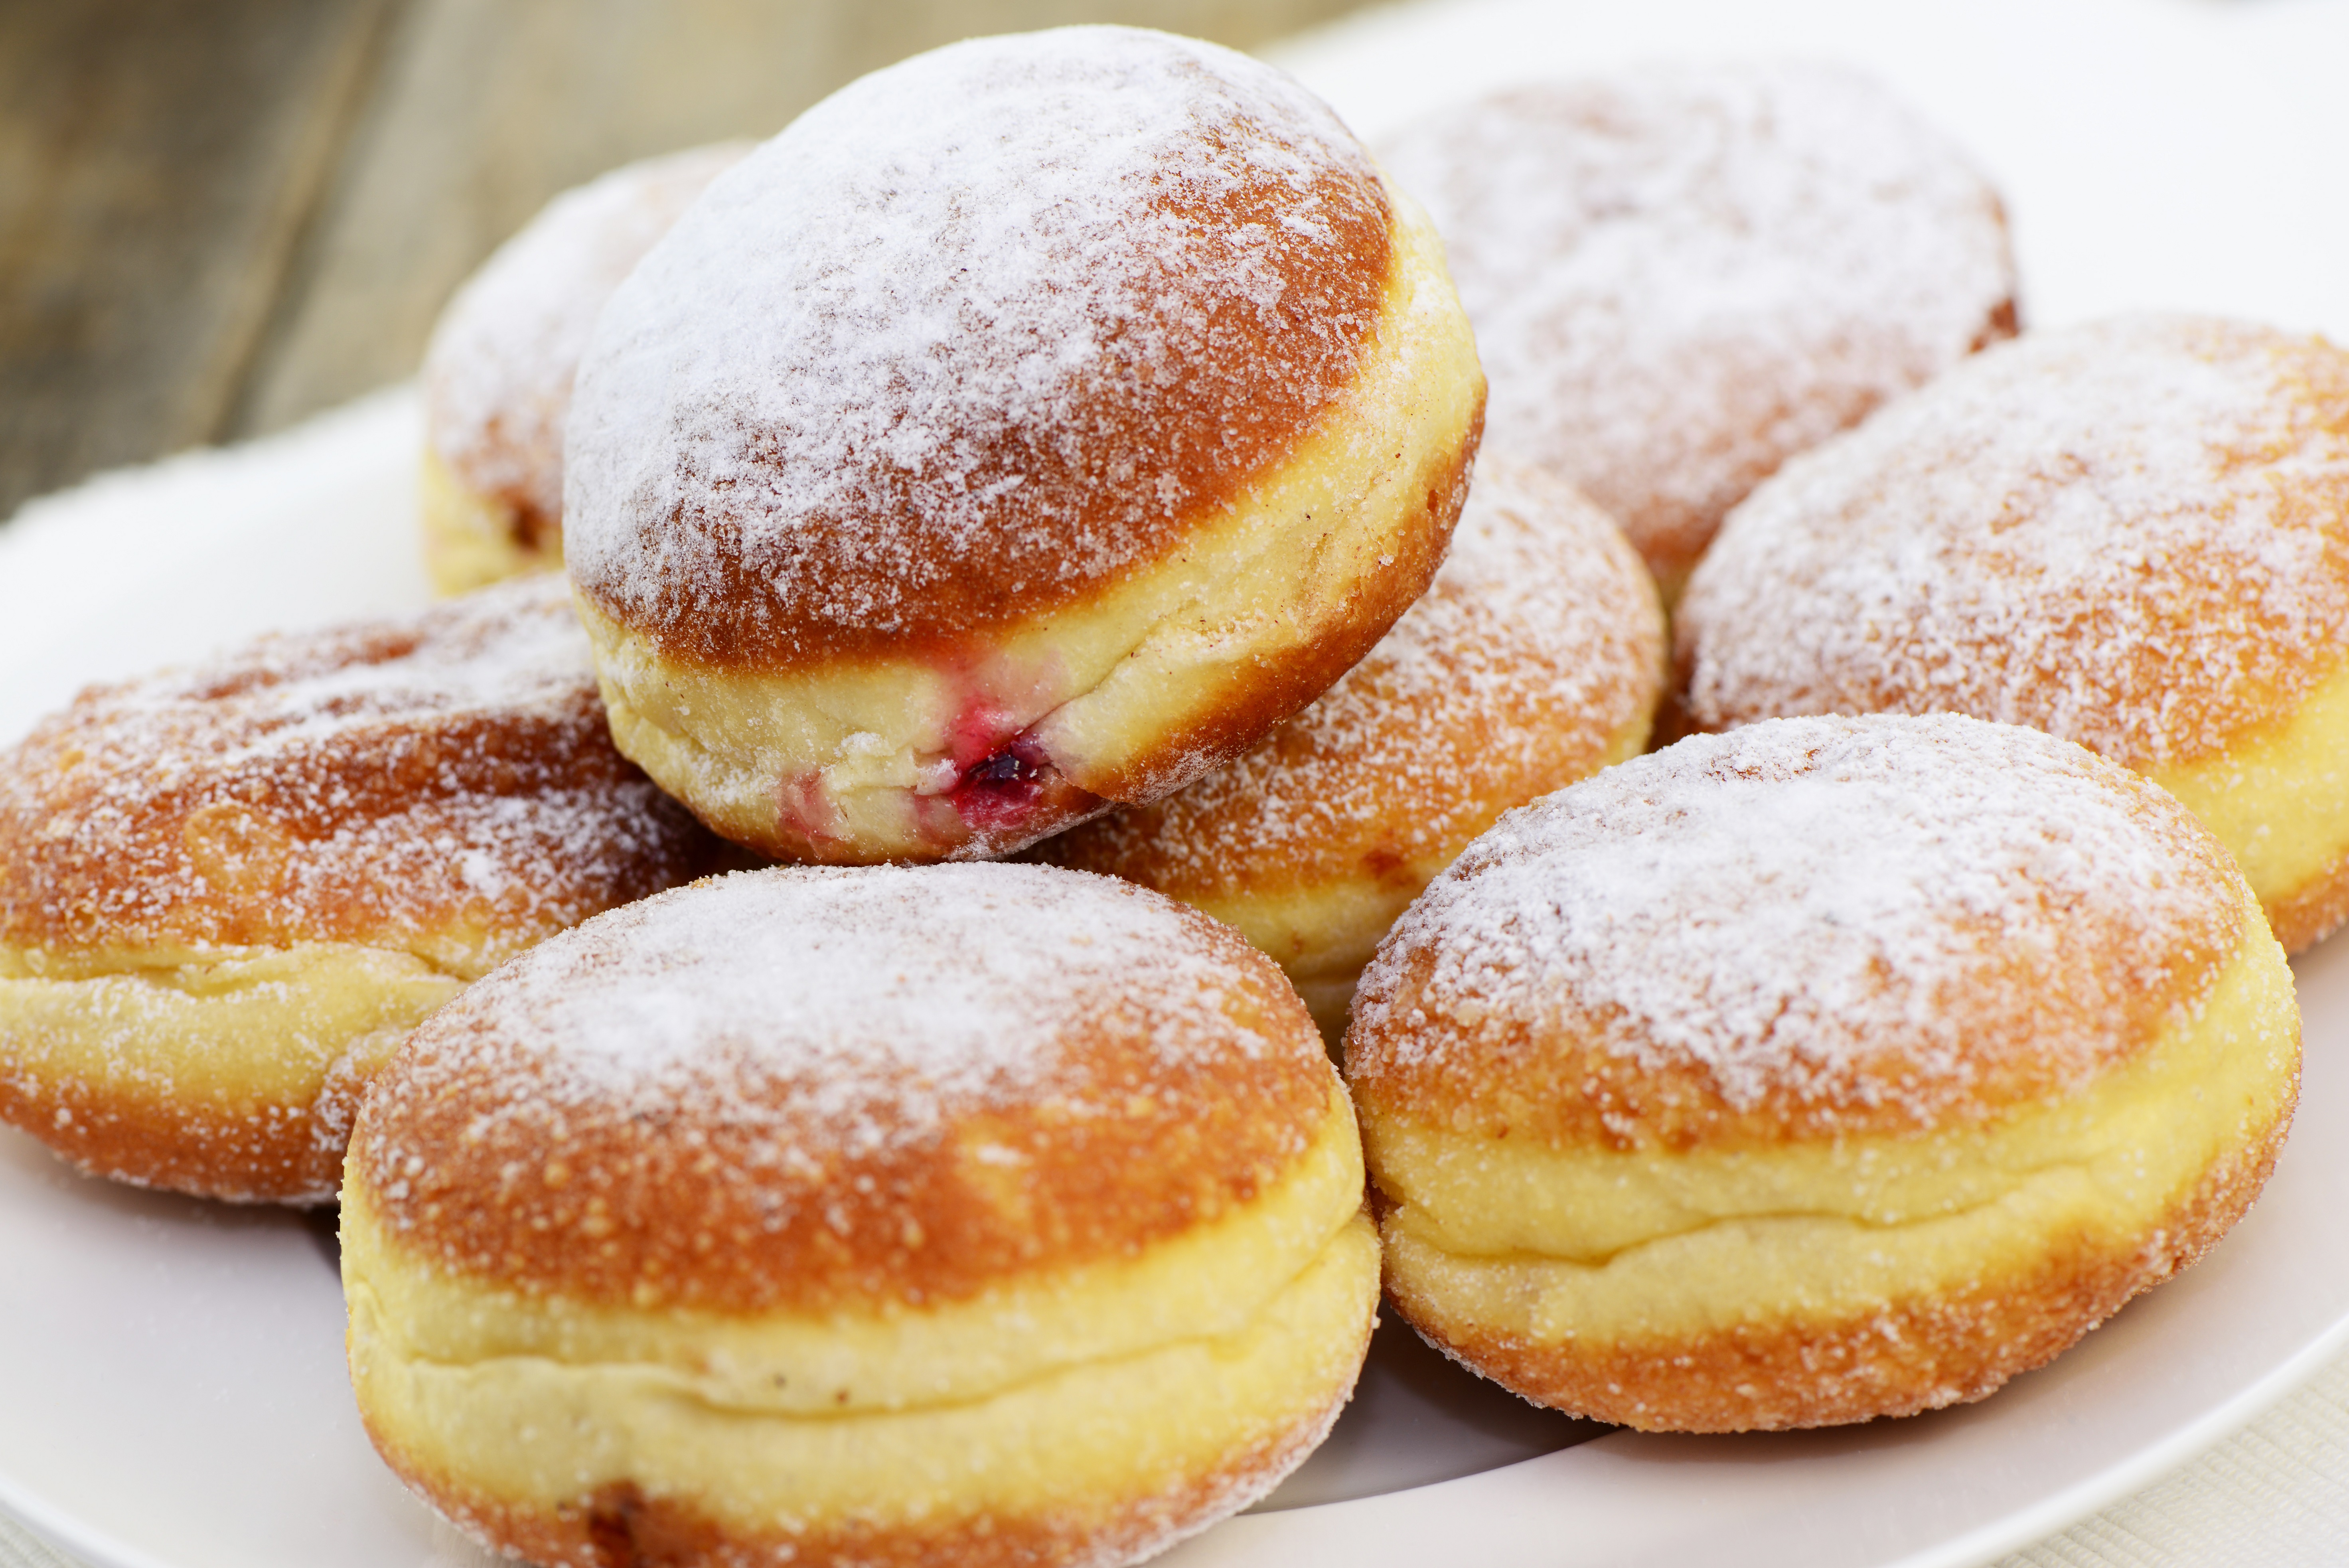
(227,891)
(2133,534)
(1829,1069)
(953,1214)
(1536,658)
(498,371)
(1682,276)
(1031,426)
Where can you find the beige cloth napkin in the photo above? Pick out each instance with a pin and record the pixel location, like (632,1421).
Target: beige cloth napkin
(2275,1495)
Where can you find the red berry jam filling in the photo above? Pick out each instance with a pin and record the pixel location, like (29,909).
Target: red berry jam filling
(804,812)
(1002,788)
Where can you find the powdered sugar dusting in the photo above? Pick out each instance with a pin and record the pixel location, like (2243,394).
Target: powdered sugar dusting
(499,371)
(1678,277)
(830,1088)
(374,782)
(1012,298)
(1818,911)
(862,1007)
(2133,534)
(505,648)
(1539,643)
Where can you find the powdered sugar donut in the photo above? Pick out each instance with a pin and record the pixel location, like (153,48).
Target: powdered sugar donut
(970,1214)
(1535,659)
(1827,1069)
(1029,427)
(227,891)
(1682,276)
(499,369)
(2133,534)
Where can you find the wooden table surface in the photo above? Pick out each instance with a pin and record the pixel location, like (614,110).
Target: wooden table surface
(217,216)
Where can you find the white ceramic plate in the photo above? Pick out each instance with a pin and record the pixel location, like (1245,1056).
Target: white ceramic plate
(171,1390)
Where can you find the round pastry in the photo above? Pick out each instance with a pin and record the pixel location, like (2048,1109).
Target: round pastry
(227,891)
(1680,277)
(2133,534)
(498,371)
(1031,426)
(1829,1069)
(953,1214)
(1535,659)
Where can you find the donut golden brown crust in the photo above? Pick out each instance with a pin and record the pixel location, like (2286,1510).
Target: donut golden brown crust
(1010,496)
(1826,1070)
(497,372)
(1919,1352)
(1682,277)
(2302,919)
(227,891)
(933,1215)
(622,1525)
(2133,534)
(1535,659)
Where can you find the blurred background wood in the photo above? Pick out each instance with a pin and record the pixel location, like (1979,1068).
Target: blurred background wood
(159,166)
(217,216)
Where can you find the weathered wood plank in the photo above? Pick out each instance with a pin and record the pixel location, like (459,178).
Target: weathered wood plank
(488,109)
(158,163)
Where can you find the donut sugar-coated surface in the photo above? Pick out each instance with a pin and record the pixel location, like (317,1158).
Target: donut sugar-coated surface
(499,369)
(1536,658)
(1029,427)
(972,1213)
(1829,1069)
(227,891)
(1682,276)
(2132,534)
